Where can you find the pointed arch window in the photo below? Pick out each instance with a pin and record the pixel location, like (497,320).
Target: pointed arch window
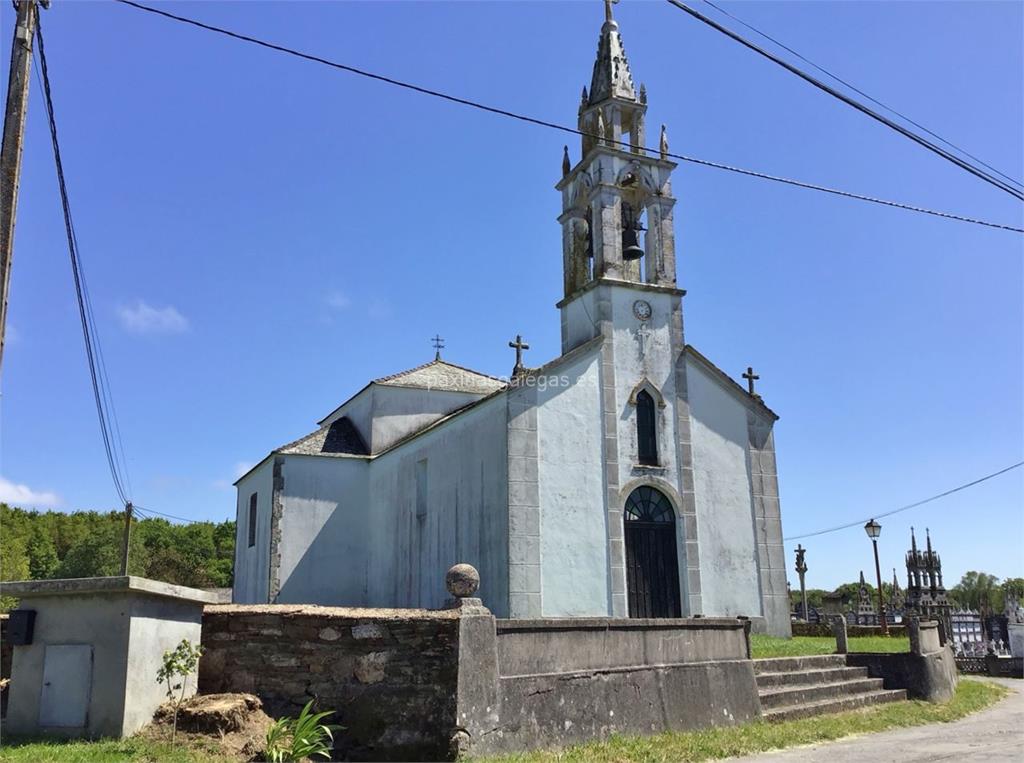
(646,429)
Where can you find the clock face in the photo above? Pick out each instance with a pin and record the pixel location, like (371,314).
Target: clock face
(642,310)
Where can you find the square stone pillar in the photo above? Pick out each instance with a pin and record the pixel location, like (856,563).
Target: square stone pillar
(89,668)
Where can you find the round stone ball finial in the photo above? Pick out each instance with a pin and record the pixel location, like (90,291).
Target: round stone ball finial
(462,581)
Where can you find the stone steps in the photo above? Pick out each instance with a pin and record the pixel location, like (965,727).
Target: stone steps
(826,675)
(852,702)
(800,687)
(802,694)
(791,664)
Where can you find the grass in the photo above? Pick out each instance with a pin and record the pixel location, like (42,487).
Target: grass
(710,744)
(800,646)
(135,749)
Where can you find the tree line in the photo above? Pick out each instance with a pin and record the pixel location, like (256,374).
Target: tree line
(978,591)
(40,545)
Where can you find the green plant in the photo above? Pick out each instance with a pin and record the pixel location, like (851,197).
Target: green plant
(178,664)
(290,739)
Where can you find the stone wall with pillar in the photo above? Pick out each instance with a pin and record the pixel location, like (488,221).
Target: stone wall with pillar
(433,685)
(927,671)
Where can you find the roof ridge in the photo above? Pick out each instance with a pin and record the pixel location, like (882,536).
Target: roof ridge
(403,373)
(391,377)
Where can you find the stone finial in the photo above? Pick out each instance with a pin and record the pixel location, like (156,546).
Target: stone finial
(601,133)
(643,93)
(663,143)
(462,581)
(566,164)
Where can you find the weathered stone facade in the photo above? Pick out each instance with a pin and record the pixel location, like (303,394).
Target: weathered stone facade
(389,674)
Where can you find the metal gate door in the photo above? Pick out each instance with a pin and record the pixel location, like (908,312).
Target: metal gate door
(652,566)
(67,686)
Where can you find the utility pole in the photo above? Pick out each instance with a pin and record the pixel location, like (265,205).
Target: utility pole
(14,137)
(126,542)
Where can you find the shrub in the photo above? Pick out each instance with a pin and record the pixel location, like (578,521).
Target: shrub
(292,739)
(179,663)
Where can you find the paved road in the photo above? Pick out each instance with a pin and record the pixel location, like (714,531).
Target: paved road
(996,734)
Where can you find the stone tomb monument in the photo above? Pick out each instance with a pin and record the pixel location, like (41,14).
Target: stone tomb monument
(88,657)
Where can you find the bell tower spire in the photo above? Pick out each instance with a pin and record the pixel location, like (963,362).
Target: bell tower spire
(617,199)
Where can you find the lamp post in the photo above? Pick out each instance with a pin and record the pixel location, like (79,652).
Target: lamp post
(873,529)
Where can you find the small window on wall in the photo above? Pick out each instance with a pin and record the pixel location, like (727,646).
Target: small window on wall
(252,520)
(646,429)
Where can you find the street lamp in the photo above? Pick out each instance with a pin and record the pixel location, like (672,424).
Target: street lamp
(873,529)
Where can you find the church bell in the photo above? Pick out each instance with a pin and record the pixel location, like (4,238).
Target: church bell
(631,245)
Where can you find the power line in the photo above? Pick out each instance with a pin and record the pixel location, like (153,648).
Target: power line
(101,392)
(857,90)
(910,505)
(144,510)
(553,125)
(964,165)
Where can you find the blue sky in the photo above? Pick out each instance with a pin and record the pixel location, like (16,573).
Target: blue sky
(263,235)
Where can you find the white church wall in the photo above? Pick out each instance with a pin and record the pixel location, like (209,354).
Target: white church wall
(728,559)
(579,320)
(252,563)
(573,533)
(439,499)
(657,365)
(324,504)
(400,411)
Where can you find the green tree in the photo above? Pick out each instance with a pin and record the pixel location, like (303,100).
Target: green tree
(42,555)
(13,564)
(1012,588)
(977,591)
(95,555)
(48,544)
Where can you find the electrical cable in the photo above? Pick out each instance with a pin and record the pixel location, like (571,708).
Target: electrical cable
(857,90)
(89,334)
(166,516)
(964,165)
(909,506)
(553,125)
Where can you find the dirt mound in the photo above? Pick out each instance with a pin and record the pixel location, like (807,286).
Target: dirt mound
(234,723)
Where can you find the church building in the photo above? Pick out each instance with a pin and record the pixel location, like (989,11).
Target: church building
(628,477)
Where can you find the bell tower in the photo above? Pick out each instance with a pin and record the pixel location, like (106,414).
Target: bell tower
(617,200)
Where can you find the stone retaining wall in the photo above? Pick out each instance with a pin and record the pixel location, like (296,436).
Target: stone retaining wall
(390,675)
(429,685)
(927,671)
(563,681)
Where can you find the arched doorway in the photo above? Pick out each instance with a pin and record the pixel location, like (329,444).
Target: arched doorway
(652,566)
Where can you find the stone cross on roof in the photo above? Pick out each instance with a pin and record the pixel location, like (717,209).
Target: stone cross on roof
(751,377)
(519,345)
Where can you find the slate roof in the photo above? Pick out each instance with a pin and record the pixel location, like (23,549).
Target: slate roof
(337,438)
(443,376)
